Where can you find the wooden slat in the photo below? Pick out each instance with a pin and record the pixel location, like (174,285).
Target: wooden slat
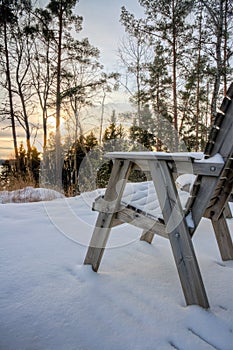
(205,190)
(225,104)
(145,156)
(223,144)
(230,91)
(207,168)
(221,193)
(141,220)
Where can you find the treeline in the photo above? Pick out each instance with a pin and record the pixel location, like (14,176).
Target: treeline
(84,166)
(24,172)
(176,66)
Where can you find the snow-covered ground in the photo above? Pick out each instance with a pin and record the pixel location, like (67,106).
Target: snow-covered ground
(50,301)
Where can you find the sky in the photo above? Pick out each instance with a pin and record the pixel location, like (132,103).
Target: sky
(102,27)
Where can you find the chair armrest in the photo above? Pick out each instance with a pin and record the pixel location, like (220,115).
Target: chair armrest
(154,155)
(180,162)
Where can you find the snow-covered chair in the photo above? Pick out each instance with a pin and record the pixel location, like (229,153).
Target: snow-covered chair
(178,215)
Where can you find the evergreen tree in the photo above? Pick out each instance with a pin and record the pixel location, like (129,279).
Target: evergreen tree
(25,172)
(218,22)
(113,137)
(143,136)
(63,19)
(73,161)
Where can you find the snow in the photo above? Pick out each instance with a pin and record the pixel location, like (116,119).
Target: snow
(29,194)
(185,182)
(50,301)
(142,195)
(217,158)
(151,155)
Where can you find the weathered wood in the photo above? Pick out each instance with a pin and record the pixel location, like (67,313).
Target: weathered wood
(145,156)
(223,144)
(207,168)
(178,232)
(113,194)
(104,206)
(222,191)
(147,236)
(201,200)
(223,237)
(180,163)
(141,220)
(227,212)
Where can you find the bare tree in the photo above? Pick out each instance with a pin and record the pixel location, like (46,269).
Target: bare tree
(135,55)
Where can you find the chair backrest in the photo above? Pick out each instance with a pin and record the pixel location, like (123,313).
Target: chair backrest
(220,138)
(209,194)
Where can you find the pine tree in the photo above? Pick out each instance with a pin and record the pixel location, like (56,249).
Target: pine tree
(219,45)
(73,161)
(26,172)
(63,17)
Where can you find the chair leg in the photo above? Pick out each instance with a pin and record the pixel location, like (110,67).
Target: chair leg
(223,237)
(179,236)
(147,236)
(99,240)
(104,223)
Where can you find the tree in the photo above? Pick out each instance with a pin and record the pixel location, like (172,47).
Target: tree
(18,47)
(22,39)
(158,91)
(85,84)
(227,43)
(194,98)
(42,66)
(25,173)
(7,21)
(73,160)
(135,54)
(113,132)
(219,26)
(63,18)
(166,22)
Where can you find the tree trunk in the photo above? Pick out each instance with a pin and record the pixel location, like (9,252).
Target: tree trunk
(225,38)
(198,85)
(58,104)
(174,84)
(8,78)
(219,63)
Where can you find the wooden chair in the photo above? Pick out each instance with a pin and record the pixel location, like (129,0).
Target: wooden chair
(208,198)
